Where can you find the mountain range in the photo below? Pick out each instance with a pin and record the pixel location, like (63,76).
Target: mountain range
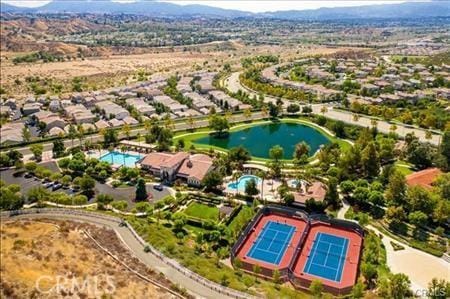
(164,9)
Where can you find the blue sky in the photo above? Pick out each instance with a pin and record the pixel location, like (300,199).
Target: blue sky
(249,5)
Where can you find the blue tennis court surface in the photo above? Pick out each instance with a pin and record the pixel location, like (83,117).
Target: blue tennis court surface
(327,257)
(271,243)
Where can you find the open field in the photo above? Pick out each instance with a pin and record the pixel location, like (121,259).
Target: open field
(48,250)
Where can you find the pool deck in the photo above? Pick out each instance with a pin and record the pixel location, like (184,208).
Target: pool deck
(98,154)
(269,189)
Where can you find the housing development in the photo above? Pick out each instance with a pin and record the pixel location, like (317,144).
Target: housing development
(151,149)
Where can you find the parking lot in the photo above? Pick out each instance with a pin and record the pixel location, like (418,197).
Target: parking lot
(128,193)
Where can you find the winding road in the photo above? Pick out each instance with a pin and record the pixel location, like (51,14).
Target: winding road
(194,287)
(233,84)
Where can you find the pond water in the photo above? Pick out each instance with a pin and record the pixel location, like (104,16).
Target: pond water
(259,139)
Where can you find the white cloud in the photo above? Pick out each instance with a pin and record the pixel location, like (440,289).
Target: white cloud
(26,3)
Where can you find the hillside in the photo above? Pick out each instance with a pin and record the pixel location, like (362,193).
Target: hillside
(161,9)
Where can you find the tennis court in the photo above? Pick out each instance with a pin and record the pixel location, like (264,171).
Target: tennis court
(327,257)
(272,242)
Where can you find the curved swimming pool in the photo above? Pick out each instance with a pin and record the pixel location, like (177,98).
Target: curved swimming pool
(239,186)
(259,139)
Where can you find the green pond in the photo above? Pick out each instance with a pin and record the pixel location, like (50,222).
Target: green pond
(259,139)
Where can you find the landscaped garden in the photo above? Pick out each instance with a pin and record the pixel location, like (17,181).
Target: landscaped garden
(202,211)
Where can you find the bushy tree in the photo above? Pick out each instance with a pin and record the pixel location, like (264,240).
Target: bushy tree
(212,179)
(251,188)
(141,191)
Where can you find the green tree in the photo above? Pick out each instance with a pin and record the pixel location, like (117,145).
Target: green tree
(26,134)
(87,184)
(219,124)
(276,276)
(10,197)
(332,195)
(316,288)
(396,189)
(288,198)
(251,188)
(358,290)
(58,148)
(301,152)
(141,191)
(417,218)
(37,150)
(399,285)
(212,179)
(103,200)
(438,289)
(370,161)
(276,153)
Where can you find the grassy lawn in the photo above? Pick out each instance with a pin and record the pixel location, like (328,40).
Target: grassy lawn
(403,167)
(198,210)
(190,138)
(184,251)
(241,219)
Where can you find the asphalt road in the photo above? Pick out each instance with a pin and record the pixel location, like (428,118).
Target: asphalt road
(178,126)
(233,84)
(130,242)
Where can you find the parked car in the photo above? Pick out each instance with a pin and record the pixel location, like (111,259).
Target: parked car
(158,187)
(56,186)
(48,184)
(28,175)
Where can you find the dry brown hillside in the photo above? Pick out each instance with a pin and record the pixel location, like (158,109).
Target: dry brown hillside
(35,34)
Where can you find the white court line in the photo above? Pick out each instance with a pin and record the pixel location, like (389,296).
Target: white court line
(339,265)
(314,253)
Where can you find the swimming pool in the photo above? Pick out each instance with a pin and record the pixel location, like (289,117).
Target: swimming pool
(240,184)
(122,159)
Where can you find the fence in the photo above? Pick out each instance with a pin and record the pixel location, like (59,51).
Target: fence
(175,265)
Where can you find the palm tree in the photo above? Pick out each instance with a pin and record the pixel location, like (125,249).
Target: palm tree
(102,132)
(262,175)
(428,135)
(138,137)
(168,122)
(126,129)
(355,117)
(190,121)
(80,134)
(374,123)
(26,135)
(323,110)
(72,133)
(235,176)
(248,114)
(264,111)
(123,149)
(147,125)
(393,128)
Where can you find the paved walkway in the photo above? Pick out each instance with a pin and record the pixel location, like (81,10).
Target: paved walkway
(233,84)
(194,287)
(420,267)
